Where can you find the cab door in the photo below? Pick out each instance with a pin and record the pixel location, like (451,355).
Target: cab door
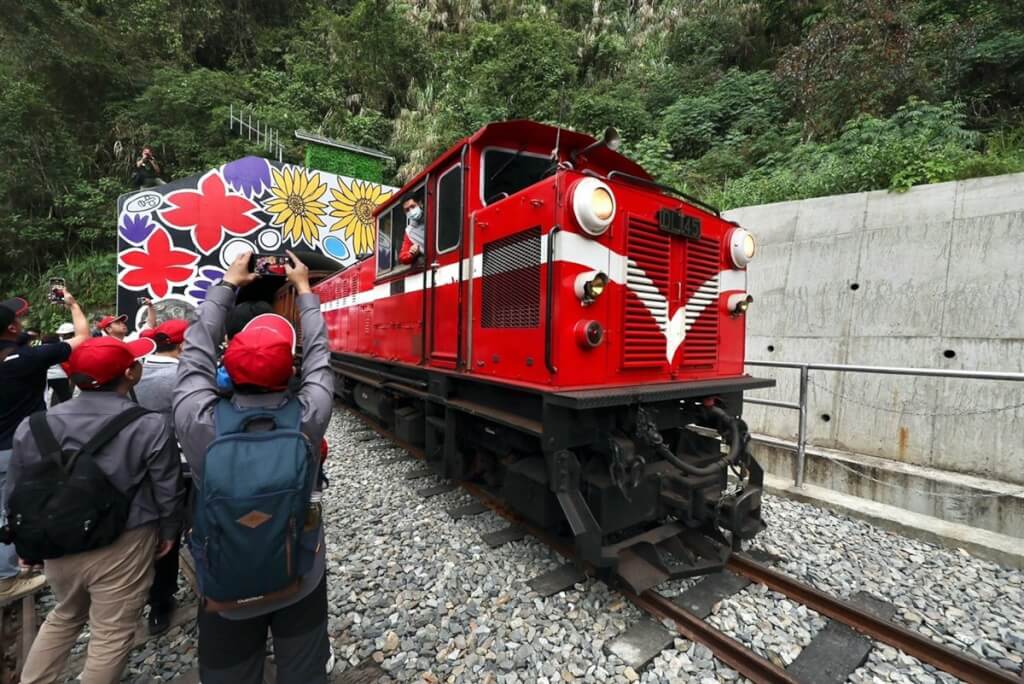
(445,276)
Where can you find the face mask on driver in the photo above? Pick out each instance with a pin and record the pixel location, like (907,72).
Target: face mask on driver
(415,214)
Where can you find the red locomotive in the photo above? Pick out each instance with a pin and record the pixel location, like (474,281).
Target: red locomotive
(569,323)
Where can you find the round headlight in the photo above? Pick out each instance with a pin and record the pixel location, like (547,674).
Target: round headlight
(593,204)
(742,247)
(603,204)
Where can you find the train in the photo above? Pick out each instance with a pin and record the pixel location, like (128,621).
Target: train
(571,339)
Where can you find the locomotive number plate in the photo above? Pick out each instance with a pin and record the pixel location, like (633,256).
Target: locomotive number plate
(676,223)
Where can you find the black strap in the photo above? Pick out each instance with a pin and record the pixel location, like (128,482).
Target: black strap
(111,429)
(47,443)
(50,448)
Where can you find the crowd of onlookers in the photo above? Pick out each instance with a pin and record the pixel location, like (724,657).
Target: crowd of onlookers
(117,445)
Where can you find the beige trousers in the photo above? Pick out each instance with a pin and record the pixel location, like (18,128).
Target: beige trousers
(106,588)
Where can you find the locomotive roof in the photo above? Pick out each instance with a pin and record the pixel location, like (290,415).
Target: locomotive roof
(523,131)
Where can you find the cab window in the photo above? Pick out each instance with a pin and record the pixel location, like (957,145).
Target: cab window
(506,172)
(449,209)
(397,231)
(384,242)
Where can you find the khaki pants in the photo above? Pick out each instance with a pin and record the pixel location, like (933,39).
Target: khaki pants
(106,588)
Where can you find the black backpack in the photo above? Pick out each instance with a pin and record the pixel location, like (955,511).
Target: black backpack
(65,504)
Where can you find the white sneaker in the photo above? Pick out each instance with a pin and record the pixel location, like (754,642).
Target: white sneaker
(330,661)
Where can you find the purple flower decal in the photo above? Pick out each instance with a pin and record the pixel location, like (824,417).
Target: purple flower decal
(136,228)
(248,175)
(201,285)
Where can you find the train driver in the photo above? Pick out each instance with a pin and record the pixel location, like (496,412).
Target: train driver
(415,231)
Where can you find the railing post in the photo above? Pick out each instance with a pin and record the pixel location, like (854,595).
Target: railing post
(801,436)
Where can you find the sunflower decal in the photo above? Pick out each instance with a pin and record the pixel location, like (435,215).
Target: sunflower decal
(353,206)
(294,204)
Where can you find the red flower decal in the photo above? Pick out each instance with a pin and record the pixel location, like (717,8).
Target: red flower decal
(209,212)
(158,266)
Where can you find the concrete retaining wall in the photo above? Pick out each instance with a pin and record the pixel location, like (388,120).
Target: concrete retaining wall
(903,279)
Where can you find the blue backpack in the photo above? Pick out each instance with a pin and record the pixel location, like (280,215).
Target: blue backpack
(251,505)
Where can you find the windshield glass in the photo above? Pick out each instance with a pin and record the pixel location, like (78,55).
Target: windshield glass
(505,172)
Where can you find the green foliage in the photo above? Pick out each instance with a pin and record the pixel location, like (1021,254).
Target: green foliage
(920,143)
(740,101)
(345,163)
(737,106)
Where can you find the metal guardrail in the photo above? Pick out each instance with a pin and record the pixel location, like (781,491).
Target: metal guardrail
(266,136)
(801,404)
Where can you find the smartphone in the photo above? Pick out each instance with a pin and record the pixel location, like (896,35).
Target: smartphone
(57,287)
(270,264)
(141,301)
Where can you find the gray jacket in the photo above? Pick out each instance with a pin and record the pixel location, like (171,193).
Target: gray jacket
(155,390)
(196,396)
(141,458)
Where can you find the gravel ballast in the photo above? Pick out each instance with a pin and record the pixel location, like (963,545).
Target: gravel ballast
(425,598)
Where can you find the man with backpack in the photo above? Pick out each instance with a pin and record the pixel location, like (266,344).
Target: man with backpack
(94,489)
(256,536)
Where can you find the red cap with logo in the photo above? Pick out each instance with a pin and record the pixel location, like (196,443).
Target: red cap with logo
(107,320)
(168,332)
(99,360)
(261,355)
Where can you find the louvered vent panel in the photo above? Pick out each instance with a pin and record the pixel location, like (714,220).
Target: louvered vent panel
(510,296)
(646,313)
(700,292)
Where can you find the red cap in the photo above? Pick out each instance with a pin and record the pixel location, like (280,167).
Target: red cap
(99,360)
(169,332)
(107,320)
(261,354)
(12,309)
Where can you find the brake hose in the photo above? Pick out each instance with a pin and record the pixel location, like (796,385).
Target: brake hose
(647,432)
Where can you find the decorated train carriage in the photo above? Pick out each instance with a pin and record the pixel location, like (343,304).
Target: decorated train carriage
(569,324)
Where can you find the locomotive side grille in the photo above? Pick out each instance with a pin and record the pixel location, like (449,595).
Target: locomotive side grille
(648,251)
(510,296)
(700,348)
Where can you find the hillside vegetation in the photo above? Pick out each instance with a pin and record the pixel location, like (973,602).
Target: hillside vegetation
(738,101)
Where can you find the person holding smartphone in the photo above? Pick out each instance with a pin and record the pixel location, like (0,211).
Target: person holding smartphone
(22,393)
(147,171)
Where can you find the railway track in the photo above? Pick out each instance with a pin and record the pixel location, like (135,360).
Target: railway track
(731,651)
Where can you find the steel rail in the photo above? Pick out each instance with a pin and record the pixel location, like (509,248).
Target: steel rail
(727,649)
(730,651)
(956,663)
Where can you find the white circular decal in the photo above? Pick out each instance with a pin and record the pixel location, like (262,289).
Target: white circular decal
(232,248)
(146,201)
(269,239)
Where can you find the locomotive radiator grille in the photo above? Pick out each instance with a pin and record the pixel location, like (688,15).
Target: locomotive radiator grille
(700,292)
(648,251)
(510,294)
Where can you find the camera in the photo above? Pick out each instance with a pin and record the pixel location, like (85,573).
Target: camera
(142,301)
(269,264)
(57,287)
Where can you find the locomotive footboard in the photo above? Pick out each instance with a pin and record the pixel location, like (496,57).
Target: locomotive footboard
(622,472)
